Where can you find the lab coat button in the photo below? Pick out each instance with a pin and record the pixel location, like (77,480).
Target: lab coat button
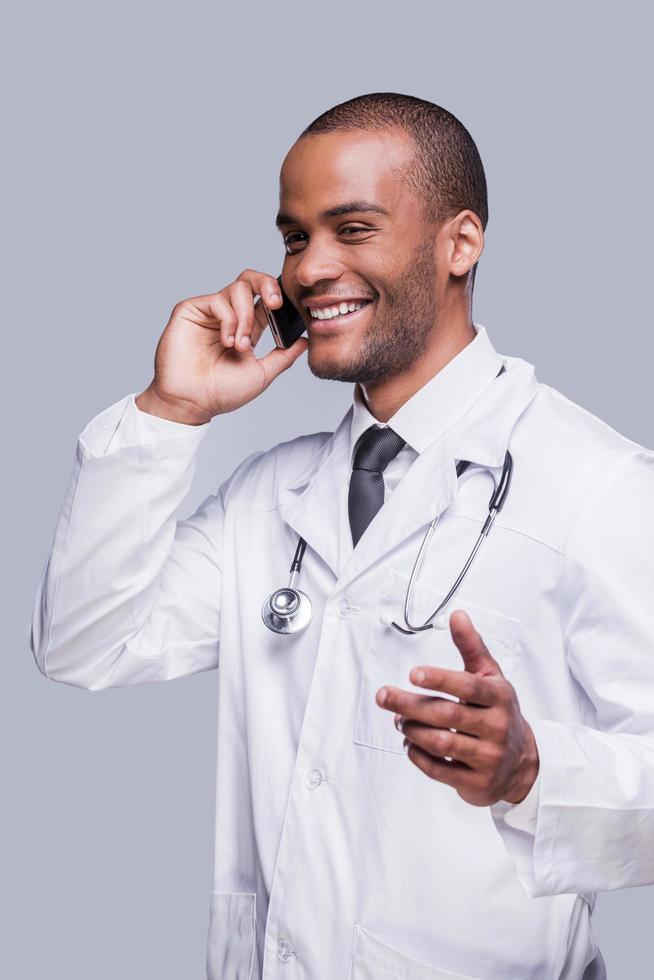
(284,951)
(314,778)
(344,607)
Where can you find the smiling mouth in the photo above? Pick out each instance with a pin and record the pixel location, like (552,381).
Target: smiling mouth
(336,319)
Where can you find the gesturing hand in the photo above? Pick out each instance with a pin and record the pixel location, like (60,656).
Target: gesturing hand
(493,751)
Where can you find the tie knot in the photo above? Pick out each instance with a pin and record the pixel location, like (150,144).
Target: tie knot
(376,448)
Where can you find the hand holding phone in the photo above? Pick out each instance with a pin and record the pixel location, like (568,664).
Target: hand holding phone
(205,364)
(286,323)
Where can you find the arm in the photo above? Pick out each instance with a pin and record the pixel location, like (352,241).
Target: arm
(594,802)
(129,594)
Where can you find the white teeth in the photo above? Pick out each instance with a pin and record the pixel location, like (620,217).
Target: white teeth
(329,312)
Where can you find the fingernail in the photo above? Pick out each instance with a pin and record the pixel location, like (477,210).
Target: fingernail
(382,696)
(405,744)
(274,297)
(418,676)
(245,341)
(398,722)
(230,339)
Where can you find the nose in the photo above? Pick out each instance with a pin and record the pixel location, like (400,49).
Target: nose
(315,263)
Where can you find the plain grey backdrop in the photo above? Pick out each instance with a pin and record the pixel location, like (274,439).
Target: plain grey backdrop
(142,150)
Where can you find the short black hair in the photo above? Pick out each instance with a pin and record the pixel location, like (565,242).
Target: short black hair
(446,173)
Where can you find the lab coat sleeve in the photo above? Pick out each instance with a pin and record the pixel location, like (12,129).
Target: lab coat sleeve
(129,594)
(594,826)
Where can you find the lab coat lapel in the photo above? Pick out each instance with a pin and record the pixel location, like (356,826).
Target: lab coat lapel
(310,504)
(429,487)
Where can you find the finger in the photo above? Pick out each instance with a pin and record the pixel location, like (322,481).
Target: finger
(281,358)
(224,316)
(211,310)
(459,683)
(267,289)
(262,284)
(240,296)
(476,655)
(270,294)
(438,712)
(455,774)
(442,743)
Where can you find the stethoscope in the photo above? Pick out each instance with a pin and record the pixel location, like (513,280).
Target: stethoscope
(288,610)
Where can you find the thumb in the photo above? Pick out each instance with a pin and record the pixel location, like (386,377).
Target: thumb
(476,656)
(280,358)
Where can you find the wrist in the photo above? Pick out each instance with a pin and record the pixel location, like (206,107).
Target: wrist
(152,403)
(527,771)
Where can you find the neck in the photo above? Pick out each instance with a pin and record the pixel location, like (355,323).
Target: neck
(384,398)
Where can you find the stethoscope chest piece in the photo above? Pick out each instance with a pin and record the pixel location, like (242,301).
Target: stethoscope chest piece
(287,610)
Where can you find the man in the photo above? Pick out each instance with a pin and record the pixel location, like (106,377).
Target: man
(435,805)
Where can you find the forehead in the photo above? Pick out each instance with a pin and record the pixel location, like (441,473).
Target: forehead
(324,170)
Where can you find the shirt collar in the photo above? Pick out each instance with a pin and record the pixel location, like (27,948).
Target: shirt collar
(441,402)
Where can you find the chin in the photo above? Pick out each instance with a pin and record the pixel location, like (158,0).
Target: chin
(328,365)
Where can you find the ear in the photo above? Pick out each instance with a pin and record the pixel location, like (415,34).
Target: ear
(464,242)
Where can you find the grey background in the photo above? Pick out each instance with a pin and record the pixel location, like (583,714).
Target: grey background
(141,167)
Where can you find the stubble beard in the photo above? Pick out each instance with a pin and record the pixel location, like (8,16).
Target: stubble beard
(397,337)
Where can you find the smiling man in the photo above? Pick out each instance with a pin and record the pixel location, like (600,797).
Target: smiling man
(387,239)
(427,766)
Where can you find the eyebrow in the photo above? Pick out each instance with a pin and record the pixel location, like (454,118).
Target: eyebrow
(366,207)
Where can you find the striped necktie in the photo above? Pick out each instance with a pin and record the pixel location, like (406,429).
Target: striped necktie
(374,451)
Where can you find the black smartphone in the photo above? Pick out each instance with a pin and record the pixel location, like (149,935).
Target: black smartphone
(286,323)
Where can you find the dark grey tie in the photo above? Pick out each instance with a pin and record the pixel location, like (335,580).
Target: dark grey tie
(374,451)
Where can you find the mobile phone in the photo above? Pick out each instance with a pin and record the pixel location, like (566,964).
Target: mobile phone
(286,323)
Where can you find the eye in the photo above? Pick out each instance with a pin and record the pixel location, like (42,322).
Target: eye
(289,240)
(295,237)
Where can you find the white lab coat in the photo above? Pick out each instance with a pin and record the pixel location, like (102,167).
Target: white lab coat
(335,856)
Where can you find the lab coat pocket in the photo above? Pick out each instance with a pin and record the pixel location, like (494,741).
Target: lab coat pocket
(231,943)
(374,960)
(390,655)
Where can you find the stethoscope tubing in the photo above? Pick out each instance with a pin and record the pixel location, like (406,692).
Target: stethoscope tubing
(495,504)
(288,610)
